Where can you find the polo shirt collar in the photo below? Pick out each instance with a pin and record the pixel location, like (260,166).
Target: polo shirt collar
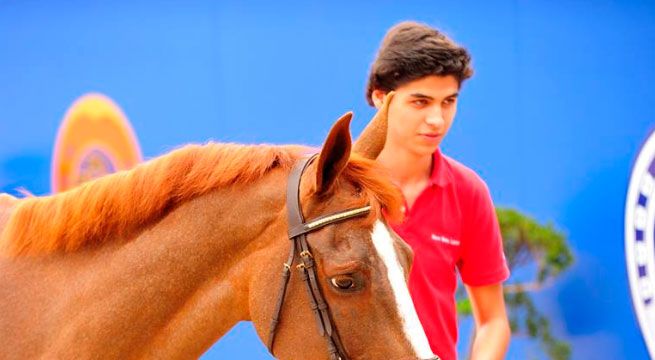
(441,172)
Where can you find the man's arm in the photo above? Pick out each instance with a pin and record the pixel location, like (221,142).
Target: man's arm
(492,330)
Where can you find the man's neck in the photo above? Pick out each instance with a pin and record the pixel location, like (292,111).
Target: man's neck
(405,167)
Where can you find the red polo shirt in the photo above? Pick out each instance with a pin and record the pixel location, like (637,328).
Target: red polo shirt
(452,227)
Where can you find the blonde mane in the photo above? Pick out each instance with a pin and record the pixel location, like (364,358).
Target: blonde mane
(119,204)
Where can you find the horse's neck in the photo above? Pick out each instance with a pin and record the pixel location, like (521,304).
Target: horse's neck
(196,255)
(178,286)
(7,203)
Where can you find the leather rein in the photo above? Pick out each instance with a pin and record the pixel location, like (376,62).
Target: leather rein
(298,230)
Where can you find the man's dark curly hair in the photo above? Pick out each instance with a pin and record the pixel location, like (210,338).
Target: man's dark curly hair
(410,51)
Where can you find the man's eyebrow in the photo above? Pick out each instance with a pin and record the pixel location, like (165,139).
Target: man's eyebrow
(423,96)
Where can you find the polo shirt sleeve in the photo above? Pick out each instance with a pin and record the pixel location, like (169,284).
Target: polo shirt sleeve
(482,260)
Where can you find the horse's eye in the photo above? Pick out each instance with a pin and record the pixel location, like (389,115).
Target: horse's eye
(343,282)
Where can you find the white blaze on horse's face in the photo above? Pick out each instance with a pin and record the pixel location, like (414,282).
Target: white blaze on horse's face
(383,243)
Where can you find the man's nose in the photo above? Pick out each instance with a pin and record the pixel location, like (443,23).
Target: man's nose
(435,119)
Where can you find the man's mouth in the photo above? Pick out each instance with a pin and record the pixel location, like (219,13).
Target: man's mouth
(431,135)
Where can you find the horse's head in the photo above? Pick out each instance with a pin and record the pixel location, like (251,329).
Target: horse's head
(361,265)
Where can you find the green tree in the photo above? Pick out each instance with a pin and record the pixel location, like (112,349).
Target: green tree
(540,253)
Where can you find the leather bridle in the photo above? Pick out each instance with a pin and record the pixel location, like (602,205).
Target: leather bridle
(298,230)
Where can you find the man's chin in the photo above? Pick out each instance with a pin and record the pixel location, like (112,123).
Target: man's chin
(426,151)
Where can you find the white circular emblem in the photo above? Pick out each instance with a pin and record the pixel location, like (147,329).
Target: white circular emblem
(640,240)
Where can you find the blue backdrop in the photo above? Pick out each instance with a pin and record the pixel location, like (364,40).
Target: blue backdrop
(552,120)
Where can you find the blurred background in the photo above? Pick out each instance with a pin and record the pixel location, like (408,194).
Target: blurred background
(553,120)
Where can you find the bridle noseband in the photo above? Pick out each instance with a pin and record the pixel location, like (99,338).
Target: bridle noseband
(298,230)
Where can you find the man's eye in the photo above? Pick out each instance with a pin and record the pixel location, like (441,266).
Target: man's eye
(449,101)
(420,102)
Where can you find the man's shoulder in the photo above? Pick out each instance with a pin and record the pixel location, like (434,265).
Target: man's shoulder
(464,177)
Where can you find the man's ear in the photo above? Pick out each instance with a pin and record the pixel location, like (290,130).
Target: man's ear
(334,154)
(378,98)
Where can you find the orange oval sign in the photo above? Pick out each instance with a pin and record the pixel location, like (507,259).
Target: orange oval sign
(94,139)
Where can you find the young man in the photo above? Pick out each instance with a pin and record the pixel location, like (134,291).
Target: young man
(449,217)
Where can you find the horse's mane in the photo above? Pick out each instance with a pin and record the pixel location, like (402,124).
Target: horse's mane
(119,204)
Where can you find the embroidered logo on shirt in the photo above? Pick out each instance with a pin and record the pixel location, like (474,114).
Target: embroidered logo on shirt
(445,240)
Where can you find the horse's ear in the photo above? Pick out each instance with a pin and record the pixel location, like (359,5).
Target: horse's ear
(371,142)
(334,155)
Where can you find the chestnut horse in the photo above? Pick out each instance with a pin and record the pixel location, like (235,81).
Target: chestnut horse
(160,261)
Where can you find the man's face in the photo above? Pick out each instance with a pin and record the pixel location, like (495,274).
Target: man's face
(421,113)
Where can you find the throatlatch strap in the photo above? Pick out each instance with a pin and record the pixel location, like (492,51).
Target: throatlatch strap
(286,273)
(295,218)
